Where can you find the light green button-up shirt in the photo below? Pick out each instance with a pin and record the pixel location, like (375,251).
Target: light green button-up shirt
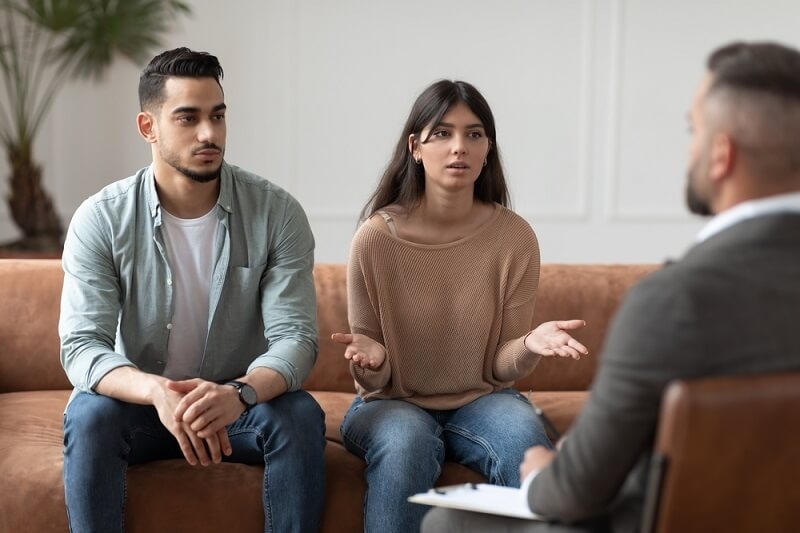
(118,298)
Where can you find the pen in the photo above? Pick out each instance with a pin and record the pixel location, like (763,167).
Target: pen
(546,422)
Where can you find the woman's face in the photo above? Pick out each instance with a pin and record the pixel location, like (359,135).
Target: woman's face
(455,151)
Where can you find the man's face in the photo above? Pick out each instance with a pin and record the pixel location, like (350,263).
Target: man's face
(190,126)
(698,185)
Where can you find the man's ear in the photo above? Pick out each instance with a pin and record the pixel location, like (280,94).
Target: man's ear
(723,157)
(146,124)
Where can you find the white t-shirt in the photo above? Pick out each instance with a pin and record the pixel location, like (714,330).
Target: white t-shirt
(190,245)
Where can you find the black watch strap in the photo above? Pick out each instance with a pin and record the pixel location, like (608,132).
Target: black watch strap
(247,394)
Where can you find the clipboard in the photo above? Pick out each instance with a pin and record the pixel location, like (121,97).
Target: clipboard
(481,498)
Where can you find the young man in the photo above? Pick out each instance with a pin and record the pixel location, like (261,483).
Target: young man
(729,307)
(188,315)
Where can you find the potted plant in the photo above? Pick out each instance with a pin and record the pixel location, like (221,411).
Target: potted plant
(43,44)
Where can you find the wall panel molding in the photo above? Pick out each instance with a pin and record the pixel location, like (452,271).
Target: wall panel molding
(614,210)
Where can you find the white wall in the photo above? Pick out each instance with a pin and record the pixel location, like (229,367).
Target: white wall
(590,98)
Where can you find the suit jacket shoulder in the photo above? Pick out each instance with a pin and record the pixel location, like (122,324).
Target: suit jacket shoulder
(729,307)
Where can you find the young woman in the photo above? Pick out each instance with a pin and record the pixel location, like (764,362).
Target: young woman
(442,282)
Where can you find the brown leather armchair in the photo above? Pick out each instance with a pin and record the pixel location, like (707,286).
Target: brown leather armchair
(727,456)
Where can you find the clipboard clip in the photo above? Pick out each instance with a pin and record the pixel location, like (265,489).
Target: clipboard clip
(451,488)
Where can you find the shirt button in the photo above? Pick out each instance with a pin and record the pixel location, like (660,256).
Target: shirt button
(169,326)
(169,281)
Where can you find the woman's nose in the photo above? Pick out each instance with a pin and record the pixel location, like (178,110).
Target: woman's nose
(459,144)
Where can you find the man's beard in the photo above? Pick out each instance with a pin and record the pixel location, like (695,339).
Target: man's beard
(696,205)
(199,177)
(203,176)
(694,201)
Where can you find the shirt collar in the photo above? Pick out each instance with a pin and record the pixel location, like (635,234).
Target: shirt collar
(224,199)
(771,205)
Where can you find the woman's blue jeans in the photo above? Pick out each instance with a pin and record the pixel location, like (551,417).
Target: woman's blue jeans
(102,436)
(405,447)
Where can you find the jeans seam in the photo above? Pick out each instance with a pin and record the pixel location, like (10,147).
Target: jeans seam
(267,502)
(483,444)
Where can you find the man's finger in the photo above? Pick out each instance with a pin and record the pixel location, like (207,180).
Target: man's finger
(212,443)
(186,448)
(224,442)
(183,386)
(199,448)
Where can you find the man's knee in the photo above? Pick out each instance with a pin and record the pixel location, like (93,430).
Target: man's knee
(94,414)
(289,417)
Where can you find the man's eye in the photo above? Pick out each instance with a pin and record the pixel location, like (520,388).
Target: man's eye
(186,119)
(218,118)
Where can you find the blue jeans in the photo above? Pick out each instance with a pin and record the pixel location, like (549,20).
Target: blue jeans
(405,447)
(102,436)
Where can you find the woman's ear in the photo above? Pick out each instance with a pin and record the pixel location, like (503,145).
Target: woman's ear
(413,147)
(145,124)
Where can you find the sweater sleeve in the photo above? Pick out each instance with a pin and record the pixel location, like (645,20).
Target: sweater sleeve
(362,305)
(512,360)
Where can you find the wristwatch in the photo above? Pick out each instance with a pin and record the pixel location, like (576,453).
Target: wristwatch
(247,394)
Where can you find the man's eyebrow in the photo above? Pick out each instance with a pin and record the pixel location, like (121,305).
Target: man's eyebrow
(192,109)
(185,109)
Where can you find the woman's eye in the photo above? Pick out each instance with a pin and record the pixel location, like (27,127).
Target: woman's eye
(440,133)
(476,134)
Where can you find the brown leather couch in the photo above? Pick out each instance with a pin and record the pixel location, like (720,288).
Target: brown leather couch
(173,496)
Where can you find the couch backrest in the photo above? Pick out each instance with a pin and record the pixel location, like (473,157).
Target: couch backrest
(30,292)
(30,296)
(589,292)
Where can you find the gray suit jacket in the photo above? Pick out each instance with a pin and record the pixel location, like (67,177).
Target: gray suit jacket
(730,306)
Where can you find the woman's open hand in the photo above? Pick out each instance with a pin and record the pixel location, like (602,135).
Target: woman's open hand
(362,350)
(552,339)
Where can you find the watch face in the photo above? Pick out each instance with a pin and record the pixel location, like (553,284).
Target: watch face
(248,394)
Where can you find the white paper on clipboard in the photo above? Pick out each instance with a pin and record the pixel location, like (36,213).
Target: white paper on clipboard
(481,498)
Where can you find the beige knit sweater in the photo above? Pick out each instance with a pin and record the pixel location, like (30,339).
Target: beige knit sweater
(452,317)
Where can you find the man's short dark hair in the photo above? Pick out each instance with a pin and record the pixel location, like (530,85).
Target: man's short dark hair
(755,95)
(180,62)
(760,66)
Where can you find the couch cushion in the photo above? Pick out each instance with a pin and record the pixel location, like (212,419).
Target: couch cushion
(164,495)
(31,442)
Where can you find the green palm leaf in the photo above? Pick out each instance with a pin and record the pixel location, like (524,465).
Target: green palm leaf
(43,43)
